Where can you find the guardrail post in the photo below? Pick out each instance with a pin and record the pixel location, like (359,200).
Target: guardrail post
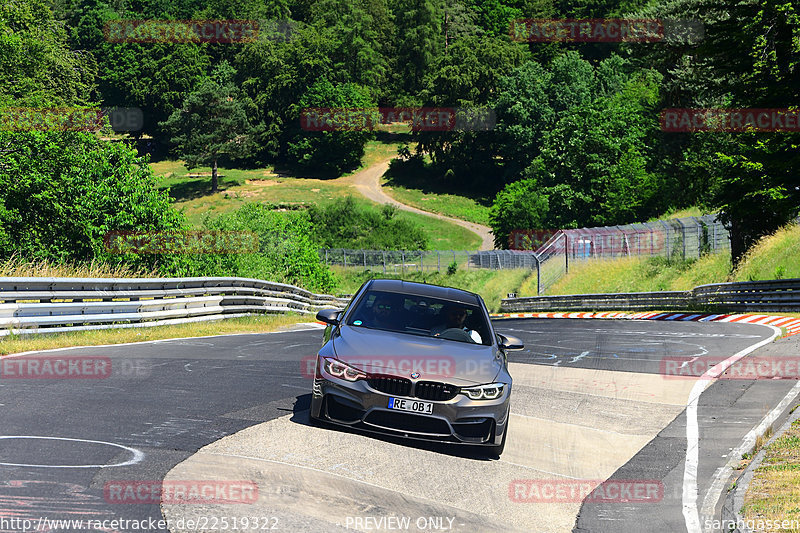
(538,274)
(344,254)
(384,261)
(403,262)
(566,253)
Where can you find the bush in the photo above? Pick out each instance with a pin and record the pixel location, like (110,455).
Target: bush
(520,205)
(348,224)
(60,193)
(286,253)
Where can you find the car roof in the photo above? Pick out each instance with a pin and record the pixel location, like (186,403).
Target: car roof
(423,289)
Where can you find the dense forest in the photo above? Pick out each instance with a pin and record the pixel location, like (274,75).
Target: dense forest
(578,139)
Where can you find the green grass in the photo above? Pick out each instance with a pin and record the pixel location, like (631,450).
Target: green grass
(237,186)
(251,324)
(684,212)
(774,491)
(450,205)
(633,274)
(775,256)
(492,285)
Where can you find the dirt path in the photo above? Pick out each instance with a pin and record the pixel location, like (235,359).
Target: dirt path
(368,183)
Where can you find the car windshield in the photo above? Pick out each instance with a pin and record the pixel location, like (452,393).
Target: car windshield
(421,315)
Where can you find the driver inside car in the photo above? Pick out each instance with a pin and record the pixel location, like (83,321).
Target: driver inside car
(454,318)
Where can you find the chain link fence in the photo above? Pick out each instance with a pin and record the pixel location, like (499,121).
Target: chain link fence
(679,238)
(676,239)
(402,261)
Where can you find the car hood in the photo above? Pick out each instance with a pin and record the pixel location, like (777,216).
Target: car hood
(400,354)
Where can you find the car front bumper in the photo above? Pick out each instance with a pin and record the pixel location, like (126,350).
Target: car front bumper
(458,420)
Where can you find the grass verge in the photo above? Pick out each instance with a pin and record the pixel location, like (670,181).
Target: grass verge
(773,257)
(237,187)
(450,205)
(17,267)
(774,492)
(252,324)
(634,274)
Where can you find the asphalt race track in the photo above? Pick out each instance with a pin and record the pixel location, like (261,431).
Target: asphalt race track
(589,403)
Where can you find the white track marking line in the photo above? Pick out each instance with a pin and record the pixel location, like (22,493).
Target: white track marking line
(137,455)
(723,473)
(689,498)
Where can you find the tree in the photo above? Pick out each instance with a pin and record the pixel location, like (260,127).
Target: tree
(756,186)
(356,32)
(466,77)
(519,206)
(330,151)
(749,57)
(36,64)
(275,74)
(419,41)
(524,114)
(595,162)
(212,123)
(60,193)
(156,77)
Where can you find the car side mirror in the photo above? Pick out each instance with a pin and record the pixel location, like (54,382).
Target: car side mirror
(508,342)
(329,316)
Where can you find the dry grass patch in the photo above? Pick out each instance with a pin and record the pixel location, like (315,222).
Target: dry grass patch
(254,324)
(774,492)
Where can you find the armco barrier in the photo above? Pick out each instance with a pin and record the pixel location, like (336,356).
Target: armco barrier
(43,305)
(772,295)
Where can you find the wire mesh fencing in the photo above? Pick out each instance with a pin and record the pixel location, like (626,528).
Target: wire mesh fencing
(403,261)
(679,238)
(675,239)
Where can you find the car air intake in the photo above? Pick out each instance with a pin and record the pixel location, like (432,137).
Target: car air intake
(390,385)
(437,392)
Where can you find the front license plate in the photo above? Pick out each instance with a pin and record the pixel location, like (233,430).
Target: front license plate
(412,406)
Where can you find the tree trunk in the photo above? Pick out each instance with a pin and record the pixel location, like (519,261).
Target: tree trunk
(214,180)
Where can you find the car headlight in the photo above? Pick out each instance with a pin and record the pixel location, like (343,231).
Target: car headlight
(491,391)
(341,370)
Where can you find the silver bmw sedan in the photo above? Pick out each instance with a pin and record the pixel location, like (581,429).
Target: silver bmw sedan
(415,360)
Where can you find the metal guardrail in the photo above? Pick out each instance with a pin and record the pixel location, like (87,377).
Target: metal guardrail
(44,305)
(771,295)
